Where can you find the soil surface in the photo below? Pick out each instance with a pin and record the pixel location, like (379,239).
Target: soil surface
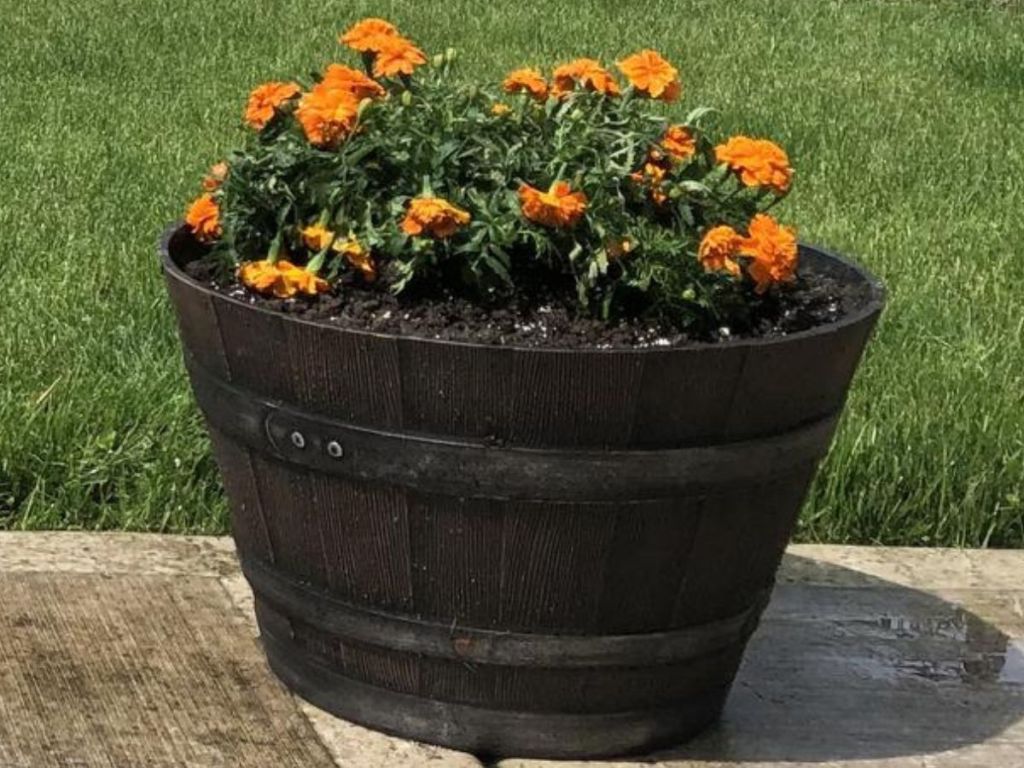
(811,300)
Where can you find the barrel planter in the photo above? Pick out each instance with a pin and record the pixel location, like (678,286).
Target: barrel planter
(511,551)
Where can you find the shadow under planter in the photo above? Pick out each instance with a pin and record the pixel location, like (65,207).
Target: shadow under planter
(846,666)
(543,552)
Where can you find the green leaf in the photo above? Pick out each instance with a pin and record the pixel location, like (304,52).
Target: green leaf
(696,114)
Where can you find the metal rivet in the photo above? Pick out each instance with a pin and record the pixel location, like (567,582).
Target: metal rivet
(334,449)
(298,440)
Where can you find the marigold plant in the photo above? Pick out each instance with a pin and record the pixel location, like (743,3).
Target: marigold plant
(390,173)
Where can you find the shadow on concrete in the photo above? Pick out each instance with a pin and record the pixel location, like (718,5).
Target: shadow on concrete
(847,666)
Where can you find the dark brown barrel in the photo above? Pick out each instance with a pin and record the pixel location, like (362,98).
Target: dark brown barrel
(511,551)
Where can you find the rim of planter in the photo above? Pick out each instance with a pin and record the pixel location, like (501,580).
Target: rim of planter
(872,305)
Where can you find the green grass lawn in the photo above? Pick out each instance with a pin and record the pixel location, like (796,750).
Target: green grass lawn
(903,119)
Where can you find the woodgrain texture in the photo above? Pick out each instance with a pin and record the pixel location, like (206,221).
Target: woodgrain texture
(498,516)
(248,524)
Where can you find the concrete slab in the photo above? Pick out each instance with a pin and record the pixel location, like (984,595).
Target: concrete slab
(111,553)
(136,650)
(122,670)
(127,650)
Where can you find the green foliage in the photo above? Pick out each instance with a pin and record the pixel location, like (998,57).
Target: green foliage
(634,252)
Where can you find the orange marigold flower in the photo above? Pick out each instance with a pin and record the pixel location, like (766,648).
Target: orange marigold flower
(395,55)
(280,279)
(653,174)
(316,237)
(679,142)
(529,81)
(261,276)
(264,101)
(300,280)
(558,207)
(773,252)
(498,109)
(651,75)
(364,36)
(718,250)
(215,176)
(327,114)
(434,217)
(759,162)
(352,80)
(357,256)
(588,73)
(203,218)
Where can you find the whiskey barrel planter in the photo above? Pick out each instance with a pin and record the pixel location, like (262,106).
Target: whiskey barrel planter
(511,551)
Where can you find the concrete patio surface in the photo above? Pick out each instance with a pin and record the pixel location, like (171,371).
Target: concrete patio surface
(127,650)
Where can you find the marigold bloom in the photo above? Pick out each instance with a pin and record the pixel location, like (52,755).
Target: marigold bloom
(203,218)
(526,80)
(364,36)
(498,109)
(264,101)
(316,237)
(772,249)
(759,162)
(301,280)
(558,207)
(261,276)
(653,175)
(327,114)
(588,73)
(352,80)
(434,217)
(395,55)
(357,256)
(679,142)
(215,176)
(718,250)
(280,279)
(651,75)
